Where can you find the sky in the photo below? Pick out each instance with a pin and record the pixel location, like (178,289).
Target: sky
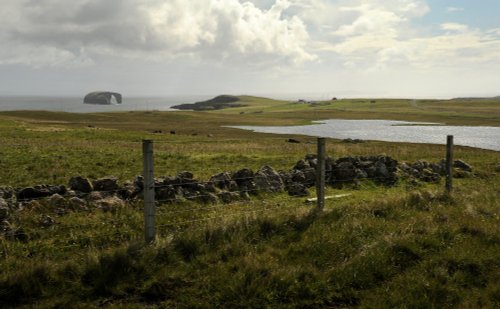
(277,48)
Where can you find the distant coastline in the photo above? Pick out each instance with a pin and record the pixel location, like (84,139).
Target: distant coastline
(76,105)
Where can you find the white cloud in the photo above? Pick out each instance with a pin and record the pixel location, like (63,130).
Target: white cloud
(453,9)
(224,30)
(382,35)
(454,27)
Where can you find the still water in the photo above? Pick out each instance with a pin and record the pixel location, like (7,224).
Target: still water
(75,104)
(393,131)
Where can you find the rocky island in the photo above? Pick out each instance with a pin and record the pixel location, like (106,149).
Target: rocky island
(219,102)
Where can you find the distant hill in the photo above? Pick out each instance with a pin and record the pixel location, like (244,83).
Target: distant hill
(476,98)
(219,102)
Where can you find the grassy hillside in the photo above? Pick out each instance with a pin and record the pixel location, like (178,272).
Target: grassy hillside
(403,246)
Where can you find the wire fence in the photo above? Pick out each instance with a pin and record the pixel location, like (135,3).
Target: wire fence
(181,202)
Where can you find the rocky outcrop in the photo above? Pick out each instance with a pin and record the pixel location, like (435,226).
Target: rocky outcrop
(219,102)
(103,98)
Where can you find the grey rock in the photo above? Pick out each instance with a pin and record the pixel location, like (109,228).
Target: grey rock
(79,183)
(40,191)
(221,180)
(77,204)
(4,210)
(462,165)
(165,193)
(106,184)
(300,165)
(57,200)
(95,196)
(6,192)
(228,197)
(310,175)
(344,171)
(268,180)
(297,189)
(298,176)
(209,198)
(381,170)
(46,220)
(111,203)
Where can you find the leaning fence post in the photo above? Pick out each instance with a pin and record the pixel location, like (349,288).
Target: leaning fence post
(320,174)
(449,164)
(149,191)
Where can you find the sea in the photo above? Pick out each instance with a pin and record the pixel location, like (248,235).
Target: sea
(76,105)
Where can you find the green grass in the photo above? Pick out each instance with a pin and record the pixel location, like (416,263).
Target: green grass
(380,247)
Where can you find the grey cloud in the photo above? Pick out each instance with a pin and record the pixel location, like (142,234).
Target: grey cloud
(226,29)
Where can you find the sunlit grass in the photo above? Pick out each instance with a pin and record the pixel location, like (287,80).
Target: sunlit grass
(401,246)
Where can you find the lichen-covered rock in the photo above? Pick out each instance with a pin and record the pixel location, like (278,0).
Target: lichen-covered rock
(344,172)
(228,197)
(221,180)
(462,165)
(268,180)
(40,191)
(106,184)
(57,200)
(76,203)
(310,176)
(4,210)
(6,192)
(81,184)
(244,180)
(165,194)
(110,203)
(46,220)
(297,189)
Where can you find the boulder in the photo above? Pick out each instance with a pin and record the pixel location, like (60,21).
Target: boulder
(40,191)
(4,210)
(344,171)
(221,180)
(428,175)
(57,200)
(462,165)
(297,176)
(76,203)
(165,193)
(297,189)
(311,160)
(381,170)
(106,184)
(6,192)
(300,165)
(46,220)
(209,198)
(310,176)
(268,180)
(81,184)
(95,196)
(111,203)
(244,180)
(228,197)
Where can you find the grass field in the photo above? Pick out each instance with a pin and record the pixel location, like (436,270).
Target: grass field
(402,246)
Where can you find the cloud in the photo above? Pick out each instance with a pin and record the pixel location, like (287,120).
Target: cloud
(452,9)
(454,27)
(383,35)
(57,32)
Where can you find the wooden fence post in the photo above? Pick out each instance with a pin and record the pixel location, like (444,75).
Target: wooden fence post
(449,164)
(320,174)
(149,191)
